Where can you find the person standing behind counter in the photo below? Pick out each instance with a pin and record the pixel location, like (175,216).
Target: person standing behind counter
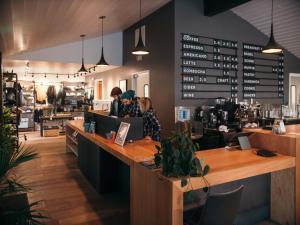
(116,105)
(131,107)
(151,124)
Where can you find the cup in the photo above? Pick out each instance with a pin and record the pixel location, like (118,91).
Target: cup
(113,136)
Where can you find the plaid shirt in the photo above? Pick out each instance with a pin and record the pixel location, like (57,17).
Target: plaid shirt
(151,125)
(133,110)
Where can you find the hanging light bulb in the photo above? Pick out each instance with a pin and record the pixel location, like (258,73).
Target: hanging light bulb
(32,75)
(82,68)
(272,46)
(102,61)
(57,76)
(140,48)
(68,76)
(45,75)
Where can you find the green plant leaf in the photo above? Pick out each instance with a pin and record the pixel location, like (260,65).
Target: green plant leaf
(206,170)
(184,182)
(205,189)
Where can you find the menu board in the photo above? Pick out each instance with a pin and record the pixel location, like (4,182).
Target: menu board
(209,67)
(263,74)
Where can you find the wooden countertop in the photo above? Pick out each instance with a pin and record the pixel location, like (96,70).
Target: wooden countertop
(231,165)
(292,131)
(226,165)
(137,151)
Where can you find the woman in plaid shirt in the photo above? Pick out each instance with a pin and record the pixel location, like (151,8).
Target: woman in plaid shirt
(151,123)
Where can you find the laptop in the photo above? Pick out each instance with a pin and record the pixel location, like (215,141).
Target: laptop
(244,142)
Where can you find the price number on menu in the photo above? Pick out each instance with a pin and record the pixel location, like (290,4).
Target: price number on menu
(280,89)
(202,79)
(234,88)
(226,73)
(234,80)
(281,76)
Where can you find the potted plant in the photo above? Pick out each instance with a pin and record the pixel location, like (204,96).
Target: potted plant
(176,155)
(14,206)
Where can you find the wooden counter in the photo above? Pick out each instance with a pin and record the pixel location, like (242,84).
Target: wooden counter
(156,199)
(136,152)
(287,144)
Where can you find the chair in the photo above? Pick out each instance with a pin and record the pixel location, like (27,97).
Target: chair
(219,209)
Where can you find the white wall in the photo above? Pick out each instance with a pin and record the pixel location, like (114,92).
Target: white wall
(142,79)
(109,82)
(71,52)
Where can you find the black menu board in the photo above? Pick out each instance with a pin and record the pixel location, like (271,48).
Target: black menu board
(263,74)
(208,68)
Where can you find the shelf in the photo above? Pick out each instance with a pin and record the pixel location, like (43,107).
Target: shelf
(73,149)
(72,139)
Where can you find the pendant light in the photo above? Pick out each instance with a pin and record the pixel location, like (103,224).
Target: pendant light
(102,61)
(272,46)
(82,69)
(140,48)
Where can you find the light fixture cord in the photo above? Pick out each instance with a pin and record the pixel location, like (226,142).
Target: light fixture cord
(272,13)
(82,47)
(102,32)
(140,9)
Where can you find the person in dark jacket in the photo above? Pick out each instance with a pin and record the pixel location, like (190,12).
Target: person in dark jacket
(131,107)
(151,124)
(116,105)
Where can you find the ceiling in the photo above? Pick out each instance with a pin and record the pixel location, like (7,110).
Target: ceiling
(27,25)
(286,20)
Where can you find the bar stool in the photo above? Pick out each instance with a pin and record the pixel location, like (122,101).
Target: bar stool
(219,209)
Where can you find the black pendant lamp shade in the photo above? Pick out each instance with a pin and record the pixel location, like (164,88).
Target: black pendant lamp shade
(272,46)
(82,69)
(140,48)
(102,61)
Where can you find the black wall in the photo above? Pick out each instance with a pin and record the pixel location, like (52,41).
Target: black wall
(189,18)
(160,61)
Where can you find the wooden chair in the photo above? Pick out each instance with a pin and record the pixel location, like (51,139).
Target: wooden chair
(219,209)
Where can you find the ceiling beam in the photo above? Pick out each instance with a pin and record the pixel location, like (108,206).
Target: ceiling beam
(214,7)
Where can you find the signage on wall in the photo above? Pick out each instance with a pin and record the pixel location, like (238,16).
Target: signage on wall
(208,64)
(263,74)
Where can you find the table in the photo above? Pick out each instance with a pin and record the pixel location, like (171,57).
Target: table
(56,117)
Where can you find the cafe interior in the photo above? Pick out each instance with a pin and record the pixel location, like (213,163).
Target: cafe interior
(150,112)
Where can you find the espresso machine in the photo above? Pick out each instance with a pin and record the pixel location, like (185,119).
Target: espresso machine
(222,113)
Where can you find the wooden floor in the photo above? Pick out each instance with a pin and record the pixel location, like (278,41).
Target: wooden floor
(67,198)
